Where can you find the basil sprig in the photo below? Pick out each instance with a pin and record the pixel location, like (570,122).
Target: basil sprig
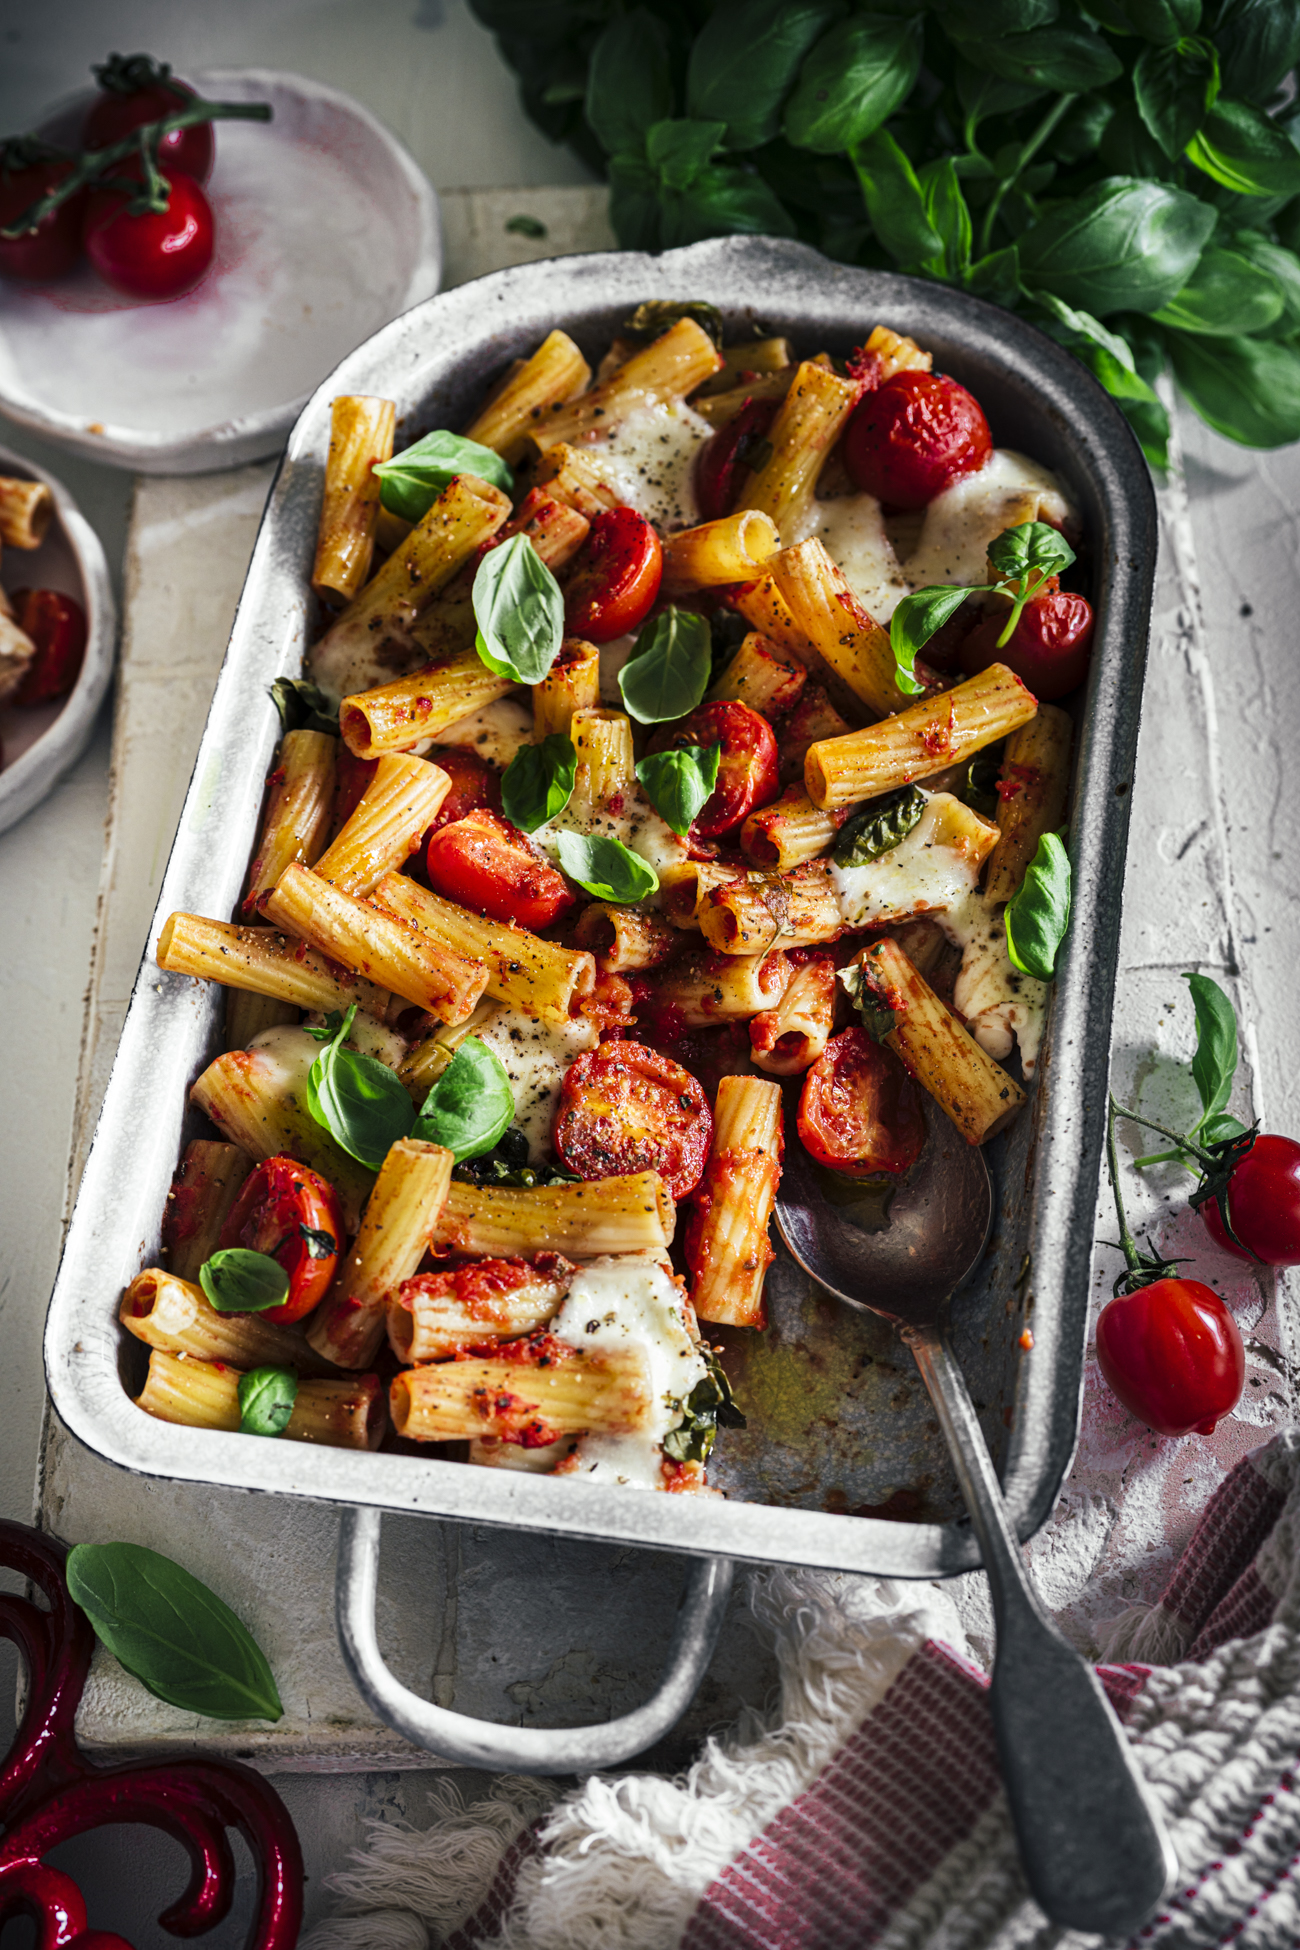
(303,706)
(1024,558)
(266,1399)
(239,1281)
(710,1406)
(411,481)
(604,868)
(876,1016)
(538,782)
(879,827)
(176,1637)
(470,1105)
(1038,913)
(668,672)
(680,782)
(519,612)
(357,1099)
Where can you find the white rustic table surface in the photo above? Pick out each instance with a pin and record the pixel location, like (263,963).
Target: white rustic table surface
(540,1630)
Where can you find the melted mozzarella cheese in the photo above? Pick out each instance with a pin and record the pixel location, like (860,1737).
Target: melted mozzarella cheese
(495,733)
(962,521)
(924,874)
(649,461)
(852,531)
(993,998)
(535,1056)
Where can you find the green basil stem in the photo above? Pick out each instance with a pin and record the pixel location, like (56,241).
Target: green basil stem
(1024,589)
(1185,1144)
(1027,154)
(1128,1245)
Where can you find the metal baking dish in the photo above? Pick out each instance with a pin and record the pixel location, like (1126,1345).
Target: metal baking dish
(839,1430)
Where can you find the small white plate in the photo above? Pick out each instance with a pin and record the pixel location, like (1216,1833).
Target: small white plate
(42,742)
(326,229)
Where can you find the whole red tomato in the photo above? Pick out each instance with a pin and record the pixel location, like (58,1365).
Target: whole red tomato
(748,766)
(1263,1203)
(134,90)
(721,460)
(913,437)
(55,245)
(625,1108)
(159,254)
(1172,1354)
(1049,649)
(615,578)
(293,1216)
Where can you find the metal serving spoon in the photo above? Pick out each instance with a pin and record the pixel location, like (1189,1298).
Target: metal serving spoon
(1092,1842)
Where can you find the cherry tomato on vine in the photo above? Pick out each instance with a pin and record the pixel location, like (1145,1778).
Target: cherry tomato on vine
(158,254)
(748,768)
(488,865)
(615,578)
(1263,1203)
(57,626)
(721,461)
(55,245)
(135,90)
(1172,1354)
(1049,649)
(913,437)
(625,1108)
(293,1216)
(859,1111)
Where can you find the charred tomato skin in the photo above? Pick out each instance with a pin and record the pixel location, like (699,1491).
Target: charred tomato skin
(484,863)
(859,1111)
(276,1201)
(748,768)
(1172,1354)
(615,578)
(625,1108)
(913,437)
(1263,1204)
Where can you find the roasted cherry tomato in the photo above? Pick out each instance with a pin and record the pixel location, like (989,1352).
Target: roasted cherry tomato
(725,457)
(626,1108)
(55,245)
(160,254)
(57,626)
(913,437)
(1049,648)
(486,864)
(135,89)
(475,785)
(293,1215)
(748,769)
(1263,1203)
(1173,1355)
(615,578)
(859,1111)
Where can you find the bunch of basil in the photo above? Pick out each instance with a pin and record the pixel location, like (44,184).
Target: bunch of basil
(1121,172)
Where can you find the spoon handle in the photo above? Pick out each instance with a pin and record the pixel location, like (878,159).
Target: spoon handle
(1092,1841)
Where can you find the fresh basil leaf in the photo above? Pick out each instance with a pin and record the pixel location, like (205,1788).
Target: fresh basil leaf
(879,827)
(876,1016)
(629,81)
(525,226)
(912,625)
(1242,148)
(325,1032)
(655,316)
(982,94)
(470,1105)
(303,706)
(519,611)
(853,80)
(1123,245)
(507,1164)
(1064,58)
(1258,43)
(411,481)
(1161,21)
(320,1244)
(266,1399)
(710,1406)
(996,277)
(668,672)
(1174,88)
(1038,913)
(1032,547)
(895,201)
(1079,132)
(1227,296)
(723,200)
(967,20)
(239,1281)
(1214,1066)
(1248,389)
(604,868)
(979,786)
(679,151)
(744,61)
(538,782)
(358,1100)
(1282,266)
(1110,360)
(1221,1129)
(634,211)
(176,1637)
(949,215)
(1128,148)
(679,783)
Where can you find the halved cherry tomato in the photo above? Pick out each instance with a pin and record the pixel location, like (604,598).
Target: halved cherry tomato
(1173,1355)
(134,91)
(1263,1203)
(293,1215)
(859,1111)
(57,626)
(475,785)
(486,864)
(159,254)
(626,1108)
(55,245)
(615,578)
(913,437)
(722,459)
(748,769)
(1049,649)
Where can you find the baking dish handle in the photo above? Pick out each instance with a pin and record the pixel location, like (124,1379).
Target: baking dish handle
(525,1750)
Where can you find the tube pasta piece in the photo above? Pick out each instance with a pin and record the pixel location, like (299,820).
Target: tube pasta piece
(557,372)
(846,638)
(203,1190)
(205,1395)
(397,1228)
(571,685)
(789,831)
(361,435)
(297,819)
(760,676)
(762,605)
(264,961)
(435,1315)
(789,1039)
(26,508)
(425,1061)
(377,944)
(710,988)
(389,821)
(559,1391)
(247,1015)
(174,1315)
(731,550)
(930,735)
(686,885)
(625,938)
(814,717)
(719,409)
(570,475)
(897,353)
(606,762)
(631,1214)
(1031,801)
(749,916)
(755,358)
(556,532)
(524,971)
(727,1247)
(678,361)
(976,1093)
(390,530)
(809,421)
(394,716)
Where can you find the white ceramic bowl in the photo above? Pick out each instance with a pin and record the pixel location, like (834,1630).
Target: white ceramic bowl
(43,741)
(326,229)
